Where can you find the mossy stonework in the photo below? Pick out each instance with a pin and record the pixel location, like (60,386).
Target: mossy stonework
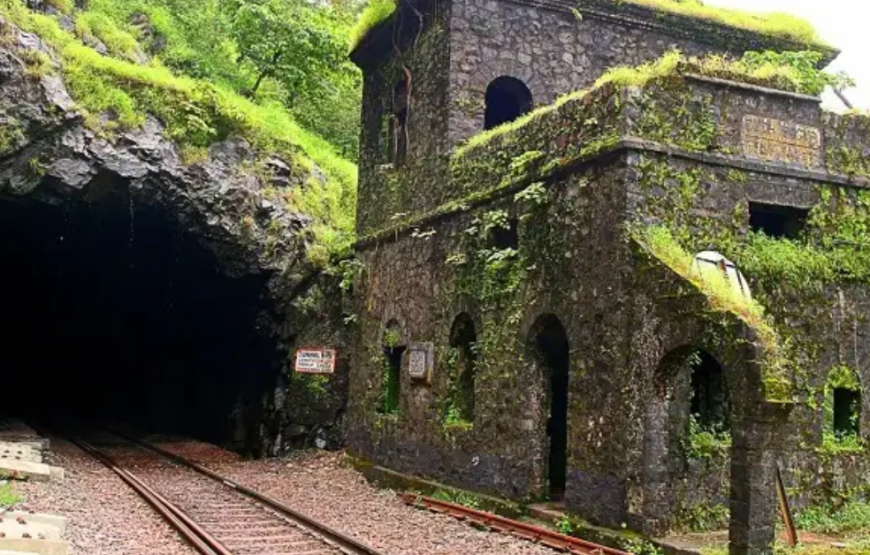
(608,368)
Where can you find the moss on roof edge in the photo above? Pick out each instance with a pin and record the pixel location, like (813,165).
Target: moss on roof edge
(375,16)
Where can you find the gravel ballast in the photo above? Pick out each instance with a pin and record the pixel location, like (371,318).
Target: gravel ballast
(105,516)
(316,484)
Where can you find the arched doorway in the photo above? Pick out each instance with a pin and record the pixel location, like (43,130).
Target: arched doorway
(549,344)
(507,98)
(687,412)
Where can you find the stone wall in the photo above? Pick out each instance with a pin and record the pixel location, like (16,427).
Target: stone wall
(425,60)
(547,47)
(625,316)
(452,51)
(557,47)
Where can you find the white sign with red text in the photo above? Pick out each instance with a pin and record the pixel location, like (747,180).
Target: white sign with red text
(315,361)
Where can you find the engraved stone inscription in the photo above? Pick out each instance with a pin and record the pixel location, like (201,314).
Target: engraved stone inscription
(420,359)
(781,141)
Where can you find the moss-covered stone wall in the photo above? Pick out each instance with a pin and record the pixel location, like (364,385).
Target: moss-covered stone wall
(418,57)
(684,153)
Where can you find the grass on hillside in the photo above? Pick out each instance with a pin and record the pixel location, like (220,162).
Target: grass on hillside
(775,24)
(196,114)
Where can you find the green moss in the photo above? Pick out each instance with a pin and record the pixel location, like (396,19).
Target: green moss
(8,497)
(11,135)
(845,153)
(780,25)
(38,63)
(375,12)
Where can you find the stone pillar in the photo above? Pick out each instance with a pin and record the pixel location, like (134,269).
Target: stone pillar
(757,443)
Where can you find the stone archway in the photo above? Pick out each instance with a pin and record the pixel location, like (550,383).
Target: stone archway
(507,98)
(689,394)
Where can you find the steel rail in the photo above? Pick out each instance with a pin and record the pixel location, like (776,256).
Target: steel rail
(341,541)
(522,530)
(176,518)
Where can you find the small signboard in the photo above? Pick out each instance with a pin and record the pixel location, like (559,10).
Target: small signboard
(315,361)
(420,360)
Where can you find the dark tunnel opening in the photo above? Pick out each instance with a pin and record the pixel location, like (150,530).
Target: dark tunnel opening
(113,312)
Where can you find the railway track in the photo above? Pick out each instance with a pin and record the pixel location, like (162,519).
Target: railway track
(537,534)
(214,514)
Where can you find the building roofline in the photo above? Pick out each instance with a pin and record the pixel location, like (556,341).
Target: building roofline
(706,31)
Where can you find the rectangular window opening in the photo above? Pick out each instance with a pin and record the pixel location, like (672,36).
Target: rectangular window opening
(506,237)
(781,222)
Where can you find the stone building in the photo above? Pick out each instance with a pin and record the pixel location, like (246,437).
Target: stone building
(529,325)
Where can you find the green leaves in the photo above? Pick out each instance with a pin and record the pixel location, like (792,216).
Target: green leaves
(289,40)
(803,69)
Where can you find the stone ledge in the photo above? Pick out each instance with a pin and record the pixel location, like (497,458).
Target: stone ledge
(623,145)
(58,522)
(31,546)
(390,479)
(24,470)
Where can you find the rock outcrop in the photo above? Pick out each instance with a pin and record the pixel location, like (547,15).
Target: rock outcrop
(225,200)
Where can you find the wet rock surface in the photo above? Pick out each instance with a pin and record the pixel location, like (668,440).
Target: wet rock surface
(224,202)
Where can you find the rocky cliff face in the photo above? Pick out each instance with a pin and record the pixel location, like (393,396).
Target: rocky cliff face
(224,203)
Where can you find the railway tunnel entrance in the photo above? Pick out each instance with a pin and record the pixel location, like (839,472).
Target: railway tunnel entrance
(112,311)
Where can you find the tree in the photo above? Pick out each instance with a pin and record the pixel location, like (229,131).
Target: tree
(292,41)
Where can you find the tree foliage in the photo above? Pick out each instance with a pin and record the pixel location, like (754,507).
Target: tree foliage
(290,40)
(289,53)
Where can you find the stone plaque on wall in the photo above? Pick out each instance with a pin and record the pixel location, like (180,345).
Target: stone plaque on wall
(420,361)
(781,141)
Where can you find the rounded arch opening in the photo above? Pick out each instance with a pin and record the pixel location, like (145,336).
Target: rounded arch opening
(549,346)
(393,348)
(462,360)
(507,98)
(687,416)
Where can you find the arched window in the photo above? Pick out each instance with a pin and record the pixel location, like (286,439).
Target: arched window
(399,126)
(843,404)
(391,368)
(461,359)
(507,98)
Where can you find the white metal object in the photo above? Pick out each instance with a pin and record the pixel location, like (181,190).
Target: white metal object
(711,261)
